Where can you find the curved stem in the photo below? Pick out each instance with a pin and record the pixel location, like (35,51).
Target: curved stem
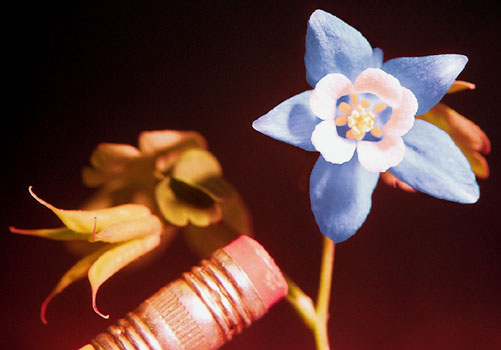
(321,336)
(324,288)
(316,317)
(324,293)
(303,304)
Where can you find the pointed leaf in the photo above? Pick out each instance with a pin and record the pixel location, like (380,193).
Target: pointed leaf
(76,272)
(117,258)
(124,231)
(58,234)
(83,221)
(180,204)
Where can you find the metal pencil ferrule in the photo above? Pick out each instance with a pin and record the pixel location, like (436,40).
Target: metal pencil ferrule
(202,310)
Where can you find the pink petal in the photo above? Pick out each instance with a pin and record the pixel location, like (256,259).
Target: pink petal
(334,149)
(380,83)
(323,98)
(379,156)
(402,119)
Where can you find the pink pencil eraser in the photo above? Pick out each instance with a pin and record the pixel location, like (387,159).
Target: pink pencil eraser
(260,268)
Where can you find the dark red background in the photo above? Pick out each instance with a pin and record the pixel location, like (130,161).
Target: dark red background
(420,274)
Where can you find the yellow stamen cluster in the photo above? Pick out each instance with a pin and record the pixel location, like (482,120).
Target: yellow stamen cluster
(360,118)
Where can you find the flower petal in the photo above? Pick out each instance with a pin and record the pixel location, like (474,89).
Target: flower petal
(462,130)
(402,118)
(333,46)
(379,156)
(58,234)
(323,99)
(467,135)
(380,83)
(460,85)
(478,163)
(76,272)
(392,181)
(341,197)
(196,166)
(428,77)
(113,157)
(95,178)
(200,169)
(127,230)
(88,221)
(433,164)
(115,259)
(153,142)
(334,148)
(377,58)
(181,204)
(291,121)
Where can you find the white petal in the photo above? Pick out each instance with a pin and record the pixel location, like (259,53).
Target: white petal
(380,83)
(379,156)
(323,99)
(334,148)
(402,119)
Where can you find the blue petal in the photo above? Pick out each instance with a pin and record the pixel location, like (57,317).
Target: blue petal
(341,197)
(377,58)
(433,164)
(291,121)
(332,46)
(428,77)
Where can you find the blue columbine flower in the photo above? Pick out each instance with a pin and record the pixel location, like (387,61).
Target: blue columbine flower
(360,116)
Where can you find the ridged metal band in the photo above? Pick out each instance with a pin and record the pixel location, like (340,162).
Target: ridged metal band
(200,311)
(130,333)
(239,288)
(231,292)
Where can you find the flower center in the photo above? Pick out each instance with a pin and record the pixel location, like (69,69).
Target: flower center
(360,118)
(361,121)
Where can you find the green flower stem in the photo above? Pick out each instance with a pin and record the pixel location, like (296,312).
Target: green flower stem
(303,304)
(316,317)
(324,292)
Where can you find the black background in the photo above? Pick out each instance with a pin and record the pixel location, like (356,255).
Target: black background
(421,273)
